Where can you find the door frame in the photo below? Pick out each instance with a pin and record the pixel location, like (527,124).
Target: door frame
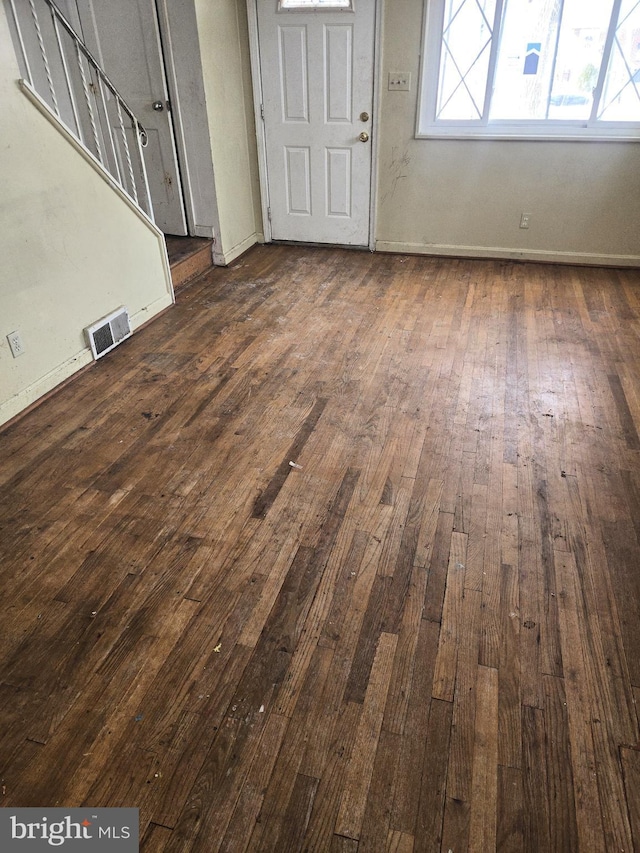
(256,76)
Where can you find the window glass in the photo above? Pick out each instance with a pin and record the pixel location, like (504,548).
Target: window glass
(312,4)
(549,59)
(621,96)
(531,67)
(464,59)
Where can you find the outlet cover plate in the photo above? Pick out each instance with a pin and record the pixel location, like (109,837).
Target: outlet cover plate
(15,342)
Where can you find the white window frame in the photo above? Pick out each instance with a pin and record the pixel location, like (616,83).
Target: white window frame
(427,127)
(308,7)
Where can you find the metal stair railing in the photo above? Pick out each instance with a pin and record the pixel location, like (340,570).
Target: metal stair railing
(63,72)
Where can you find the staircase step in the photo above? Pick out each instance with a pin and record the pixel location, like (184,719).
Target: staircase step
(189,257)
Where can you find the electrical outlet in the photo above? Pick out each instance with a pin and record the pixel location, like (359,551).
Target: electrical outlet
(525,218)
(399,81)
(15,342)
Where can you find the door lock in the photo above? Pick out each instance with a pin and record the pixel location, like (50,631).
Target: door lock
(158,106)
(364,136)
(364,116)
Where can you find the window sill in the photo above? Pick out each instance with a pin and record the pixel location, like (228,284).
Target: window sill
(519,134)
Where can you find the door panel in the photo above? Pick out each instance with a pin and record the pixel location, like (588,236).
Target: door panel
(317,80)
(298,177)
(293,73)
(338,50)
(338,172)
(125,37)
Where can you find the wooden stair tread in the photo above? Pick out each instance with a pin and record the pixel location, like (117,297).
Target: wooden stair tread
(189,257)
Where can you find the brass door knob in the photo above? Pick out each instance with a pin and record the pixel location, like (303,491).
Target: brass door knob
(364,136)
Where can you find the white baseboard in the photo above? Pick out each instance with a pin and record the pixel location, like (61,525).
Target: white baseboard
(149,311)
(29,395)
(33,392)
(497,253)
(223,259)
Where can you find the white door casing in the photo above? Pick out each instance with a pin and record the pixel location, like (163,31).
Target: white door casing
(125,37)
(317,71)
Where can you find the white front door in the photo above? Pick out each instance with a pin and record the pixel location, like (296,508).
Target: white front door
(125,36)
(317,87)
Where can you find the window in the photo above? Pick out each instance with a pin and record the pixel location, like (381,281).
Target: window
(314,4)
(531,68)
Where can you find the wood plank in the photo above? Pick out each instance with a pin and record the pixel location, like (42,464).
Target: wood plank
(340,844)
(336,730)
(589,816)
(343,729)
(477,534)
(298,813)
(429,821)
(400,842)
(627,423)
(265,500)
(155,839)
(451,625)
(463,735)
(249,803)
(360,769)
(407,781)
(407,656)
(438,565)
(377,816)
(537,789)
(484,785)
(510,823)
(455,829)
(631,770)
(509,700)
(563,807)
(372,627)
(622,551)
(492,563)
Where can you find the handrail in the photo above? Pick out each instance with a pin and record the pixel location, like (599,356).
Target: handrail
(105,77)
(91,114)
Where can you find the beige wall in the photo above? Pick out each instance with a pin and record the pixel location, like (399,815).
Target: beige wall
(71,249)
(466,197)
(224,48)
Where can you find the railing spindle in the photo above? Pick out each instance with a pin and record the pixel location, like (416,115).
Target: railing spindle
(87,98)
(105,107)
(67,76)
(45,59)
(127,152)
(23,49)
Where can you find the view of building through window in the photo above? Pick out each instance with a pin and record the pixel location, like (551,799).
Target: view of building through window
(548,63)
(566,60)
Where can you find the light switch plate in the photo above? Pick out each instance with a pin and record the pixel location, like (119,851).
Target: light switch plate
(399,81)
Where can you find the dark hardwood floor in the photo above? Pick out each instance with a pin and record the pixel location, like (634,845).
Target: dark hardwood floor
(339,554)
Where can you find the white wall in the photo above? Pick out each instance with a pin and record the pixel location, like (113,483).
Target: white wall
(71,249)
(466,197)
(224,49)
